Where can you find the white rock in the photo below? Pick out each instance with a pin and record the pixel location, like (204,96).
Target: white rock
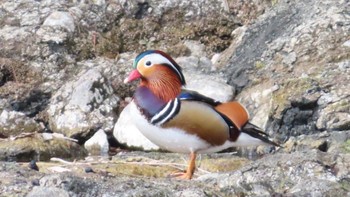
(10,6)
(30,18)
(47,136)
(59,169)
(13,33)
(195,63)
(239,33)
(197,49)
(327,98)
(290,58)
(215,58)
(187,63)
(209,86)
(343,66)
(98,143)
(346,43)
(4,116)
(50,34)
(126,132)
(259,101)
(60,19)
(99,2)
(57,27)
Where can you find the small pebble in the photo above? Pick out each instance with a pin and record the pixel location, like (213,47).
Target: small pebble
(35,182)
(33,166)
(89,170)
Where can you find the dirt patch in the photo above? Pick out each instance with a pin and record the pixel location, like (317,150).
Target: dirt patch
(166,32)
(16,78)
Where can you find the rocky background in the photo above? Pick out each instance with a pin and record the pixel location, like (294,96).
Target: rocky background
(64,122)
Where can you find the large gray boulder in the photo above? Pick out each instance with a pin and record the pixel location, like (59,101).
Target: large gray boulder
(290,68)
(83,105)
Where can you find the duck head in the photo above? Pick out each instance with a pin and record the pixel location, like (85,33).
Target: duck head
(159,73)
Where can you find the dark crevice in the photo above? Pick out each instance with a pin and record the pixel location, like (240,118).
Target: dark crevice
(83,137)
(5,76)
(142,10)
(296,120)
(323,147)
(34,103)
(305,104)
(2,136)
(112,141)
(20,156)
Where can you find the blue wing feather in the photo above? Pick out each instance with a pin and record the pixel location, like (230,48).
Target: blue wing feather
(190,95)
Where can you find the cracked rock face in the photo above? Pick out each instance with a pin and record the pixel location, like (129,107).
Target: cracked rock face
(305,56)
(81,106)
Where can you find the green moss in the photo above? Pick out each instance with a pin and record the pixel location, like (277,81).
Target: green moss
(341,106)
(259,65)
(274,2)
(346,146)
(345,185)
(19,128)
(34,147)
(133,169)
(222,164)
(292,88)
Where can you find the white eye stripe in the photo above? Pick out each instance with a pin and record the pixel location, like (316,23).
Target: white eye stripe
(156,58)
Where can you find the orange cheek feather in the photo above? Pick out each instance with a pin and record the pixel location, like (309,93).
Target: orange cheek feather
(161,80)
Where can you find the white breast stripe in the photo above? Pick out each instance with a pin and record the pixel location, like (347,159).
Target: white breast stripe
(167,113)
(172,113)
(159,114)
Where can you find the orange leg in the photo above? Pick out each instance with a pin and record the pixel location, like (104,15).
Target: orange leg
(190,169)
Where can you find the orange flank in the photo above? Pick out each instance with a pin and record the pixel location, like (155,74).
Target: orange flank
(235,112)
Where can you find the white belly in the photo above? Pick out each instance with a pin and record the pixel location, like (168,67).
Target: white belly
(172,139)
(177,140)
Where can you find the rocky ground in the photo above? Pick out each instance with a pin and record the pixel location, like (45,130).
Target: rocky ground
(62,98)
(305,167)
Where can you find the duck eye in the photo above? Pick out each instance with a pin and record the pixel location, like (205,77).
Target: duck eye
(148,63)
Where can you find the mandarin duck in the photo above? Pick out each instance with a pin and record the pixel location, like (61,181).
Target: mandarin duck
(184,121)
